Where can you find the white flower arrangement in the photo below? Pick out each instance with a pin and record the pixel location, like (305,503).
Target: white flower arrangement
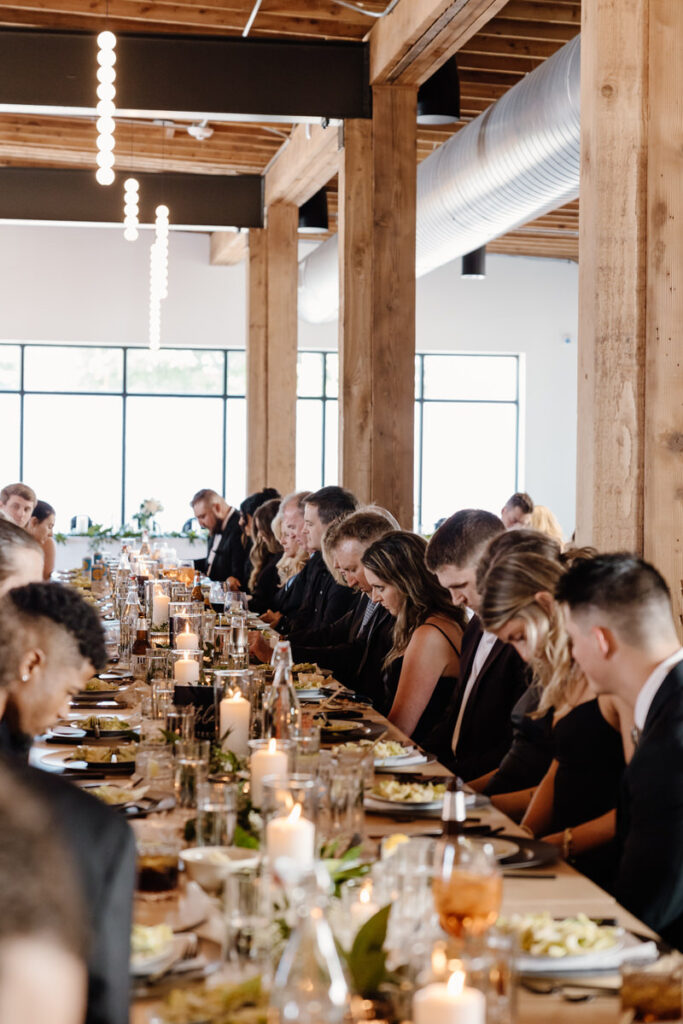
(150,507)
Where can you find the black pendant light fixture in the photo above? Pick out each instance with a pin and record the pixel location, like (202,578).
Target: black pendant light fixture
(438,100)
(474,264)
(313,214)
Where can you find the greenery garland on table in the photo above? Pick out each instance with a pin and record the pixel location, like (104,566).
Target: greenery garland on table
(98,535)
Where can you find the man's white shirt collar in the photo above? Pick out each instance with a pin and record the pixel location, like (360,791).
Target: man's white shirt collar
(651,687)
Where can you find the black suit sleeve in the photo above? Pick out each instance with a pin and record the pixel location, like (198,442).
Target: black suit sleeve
(109,965)
(650,875)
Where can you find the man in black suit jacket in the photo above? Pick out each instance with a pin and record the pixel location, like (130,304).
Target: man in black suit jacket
(618,613)
(354,646)
(226,555)
(324,600)
(51,642)
(476,731)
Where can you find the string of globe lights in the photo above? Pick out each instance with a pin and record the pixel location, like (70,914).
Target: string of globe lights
(158,275)
(106,91)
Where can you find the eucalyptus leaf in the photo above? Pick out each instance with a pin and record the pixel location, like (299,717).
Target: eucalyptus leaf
(366,959)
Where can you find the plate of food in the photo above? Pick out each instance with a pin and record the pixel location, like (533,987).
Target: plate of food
(152,947)
(335,730)
(133,801)
(577,943)
(104,726)
(96,689)
(114,760)
(424,796)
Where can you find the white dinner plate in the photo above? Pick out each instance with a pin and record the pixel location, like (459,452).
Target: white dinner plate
(143,965)
(60,759)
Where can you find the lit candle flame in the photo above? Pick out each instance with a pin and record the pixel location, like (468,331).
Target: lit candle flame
(365,894)
(456,983)
(295,813)
(186,656)
(272,746)
(186,631)
(439,961)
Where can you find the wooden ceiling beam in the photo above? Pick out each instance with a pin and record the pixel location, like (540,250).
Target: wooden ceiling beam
(228,248)
(498,46)
(304,165)
(412,42)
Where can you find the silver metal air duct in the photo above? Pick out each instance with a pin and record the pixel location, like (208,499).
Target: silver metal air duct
(515,162)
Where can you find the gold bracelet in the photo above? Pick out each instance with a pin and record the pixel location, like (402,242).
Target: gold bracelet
(567,842)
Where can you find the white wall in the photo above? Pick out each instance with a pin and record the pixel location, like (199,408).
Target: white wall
(68,284)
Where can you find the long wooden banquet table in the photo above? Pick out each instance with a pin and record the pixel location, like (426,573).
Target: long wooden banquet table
(562,891)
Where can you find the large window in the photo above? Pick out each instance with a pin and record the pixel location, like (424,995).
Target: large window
(98,430)
(466,430)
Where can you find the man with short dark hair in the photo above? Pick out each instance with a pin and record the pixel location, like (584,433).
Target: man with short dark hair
(324,600)
(51,641)
(476,731)
(618,615)
(517,510)
(225,553)
(22,558)
(17,502)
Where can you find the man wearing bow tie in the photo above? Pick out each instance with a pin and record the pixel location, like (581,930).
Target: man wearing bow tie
(618,611)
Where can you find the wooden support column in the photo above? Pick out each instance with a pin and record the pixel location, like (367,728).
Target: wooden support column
(272,351)
(377,199)
(630,442)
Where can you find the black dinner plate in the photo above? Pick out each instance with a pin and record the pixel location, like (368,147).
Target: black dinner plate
(532,853)
(362,731)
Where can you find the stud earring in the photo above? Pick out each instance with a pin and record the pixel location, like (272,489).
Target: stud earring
(24,679)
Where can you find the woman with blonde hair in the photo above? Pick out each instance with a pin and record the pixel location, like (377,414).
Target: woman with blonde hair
(543,520)
(574,805)
(421,669)
(265,555)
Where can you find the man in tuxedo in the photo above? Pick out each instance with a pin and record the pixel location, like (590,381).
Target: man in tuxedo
(618,615)
(21,557)
(476,731)
(17,502)
(51,642)
(225,557)
(355,646)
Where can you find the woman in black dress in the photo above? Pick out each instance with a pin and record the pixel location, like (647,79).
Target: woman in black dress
(265,553)
(421,669)
(574,804)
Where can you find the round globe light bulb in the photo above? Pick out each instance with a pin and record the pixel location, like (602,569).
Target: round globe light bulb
(106,75)
(106,40)
(162,212)
(106,91)
(104,159)
(105,125)
(105,108)
(105,143)
(106,58)
(104,176)
(130,234)
(131,185)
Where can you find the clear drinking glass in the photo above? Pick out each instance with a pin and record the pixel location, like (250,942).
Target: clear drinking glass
(180,722)
(236,602)
(467,887)
(191,769)
(216,813)
(342,816)
(306,740)
(158,846)
(155,764)
(248,903)
(156,662)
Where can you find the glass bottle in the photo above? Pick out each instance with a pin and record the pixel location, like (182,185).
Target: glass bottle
(282,711)
(139,649)
(145,549)
(129,619)
(197,594)
(310,984)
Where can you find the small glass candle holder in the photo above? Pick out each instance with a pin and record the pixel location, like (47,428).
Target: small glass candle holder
(290,808)
(233,710)
(180,605)
(187,666)
(187,630)
(156,665)
(267,757)
(157,601)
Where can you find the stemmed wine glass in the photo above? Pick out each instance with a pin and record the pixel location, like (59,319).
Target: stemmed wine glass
(467,887)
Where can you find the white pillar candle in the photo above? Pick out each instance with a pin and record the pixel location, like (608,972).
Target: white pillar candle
(454,1003)
(269,761)
(292,836)
(186,670)
(363,909)
(235,713)
(187,641)
(160,603)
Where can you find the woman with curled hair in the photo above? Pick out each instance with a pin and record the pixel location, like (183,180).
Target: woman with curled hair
(422,666)
(574,804)
(265,554)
